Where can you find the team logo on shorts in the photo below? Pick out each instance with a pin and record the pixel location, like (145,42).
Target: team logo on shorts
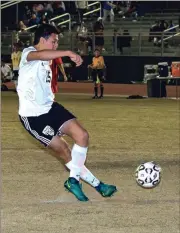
(48,130)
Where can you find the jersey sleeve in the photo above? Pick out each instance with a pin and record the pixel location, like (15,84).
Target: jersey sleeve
(58,61)
(25,53)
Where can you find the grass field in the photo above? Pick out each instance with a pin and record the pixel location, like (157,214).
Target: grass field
(123,133)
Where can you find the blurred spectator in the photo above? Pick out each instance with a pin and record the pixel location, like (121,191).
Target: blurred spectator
(28,12)
(6,74)
(117,39)
(39,8)
(34,20)
(99,34)
(126,39)
(108,11)
(124,6)
(163,25)
(16,57)
(48,9)
(154,32)
(170,26)
(22,26)
(82,43)
(81,7)
(98,25)
(123,40)
(34,9)
(59,8)
(129,9)
(44,19)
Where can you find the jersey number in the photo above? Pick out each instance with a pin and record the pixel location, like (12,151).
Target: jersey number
(48,78)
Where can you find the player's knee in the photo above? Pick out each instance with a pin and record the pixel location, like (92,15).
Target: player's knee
(83,138)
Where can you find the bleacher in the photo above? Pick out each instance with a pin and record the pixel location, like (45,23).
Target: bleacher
(139,30)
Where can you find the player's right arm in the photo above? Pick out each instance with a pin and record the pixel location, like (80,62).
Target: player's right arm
(92,65)
(46,55)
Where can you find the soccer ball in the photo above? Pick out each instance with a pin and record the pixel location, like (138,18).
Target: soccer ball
(148,175)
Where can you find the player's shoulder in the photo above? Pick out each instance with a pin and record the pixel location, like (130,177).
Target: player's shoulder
(28,49)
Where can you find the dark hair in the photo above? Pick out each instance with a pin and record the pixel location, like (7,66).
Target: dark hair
(97,50)
(45,31)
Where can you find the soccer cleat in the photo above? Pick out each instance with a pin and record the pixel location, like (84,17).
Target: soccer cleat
(95,97)
(106,190)
(73,186)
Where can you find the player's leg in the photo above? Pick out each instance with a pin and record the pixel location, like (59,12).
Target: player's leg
(45,128)
(100,75)
(94,77)
(80,136)
(63,151)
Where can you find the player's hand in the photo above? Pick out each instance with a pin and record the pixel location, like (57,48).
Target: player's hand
(76,58)
(65,78)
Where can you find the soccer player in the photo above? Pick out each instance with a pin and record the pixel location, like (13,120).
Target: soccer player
(98,67)
(48,121)
(55,64)
(16,57)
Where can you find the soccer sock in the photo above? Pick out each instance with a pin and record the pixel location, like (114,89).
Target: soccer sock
(86,175)
(102,90)
(78,155)
(95,91)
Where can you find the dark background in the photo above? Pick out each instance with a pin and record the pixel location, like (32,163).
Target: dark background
(121,69)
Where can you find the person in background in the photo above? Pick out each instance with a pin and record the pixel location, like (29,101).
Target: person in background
(97,73)
(117,36)
(126,39)
(34,20)
(55,64)
(154,31)
(170,27)
(99,25)
(108,11)
(22,26)
(6,74)
(16,57)
(82,39)
(99,34)
(48,9)
(44,19)
(81,6)
(27,13)
(59,8)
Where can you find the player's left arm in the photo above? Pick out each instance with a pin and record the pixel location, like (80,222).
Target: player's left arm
(104,66)
(102,62)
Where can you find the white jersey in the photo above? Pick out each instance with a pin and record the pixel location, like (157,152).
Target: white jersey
(34,86)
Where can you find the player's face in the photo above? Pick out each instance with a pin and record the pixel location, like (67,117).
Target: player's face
(96,53)
(51,42)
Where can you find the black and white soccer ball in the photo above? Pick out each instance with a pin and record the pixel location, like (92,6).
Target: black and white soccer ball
(148,175)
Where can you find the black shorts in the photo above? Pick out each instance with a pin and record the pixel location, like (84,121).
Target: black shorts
(97,74)
(48,125)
